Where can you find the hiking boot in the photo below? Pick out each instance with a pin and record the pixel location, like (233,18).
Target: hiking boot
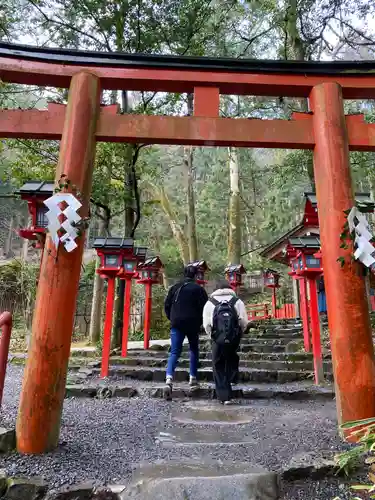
(167,390)
(193,382)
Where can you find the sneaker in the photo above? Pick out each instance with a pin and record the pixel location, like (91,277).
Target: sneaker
(193,382)
(167,390)
(228,403)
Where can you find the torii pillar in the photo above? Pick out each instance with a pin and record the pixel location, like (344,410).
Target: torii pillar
(348,314)
(43,390)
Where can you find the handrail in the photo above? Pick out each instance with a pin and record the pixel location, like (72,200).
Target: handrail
(257,311)
(6,327)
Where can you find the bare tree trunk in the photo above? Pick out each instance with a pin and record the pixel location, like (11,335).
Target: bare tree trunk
(25,250)
(174,225)
(8,244)
(128,226)
(192,230)
(234,243)
(190,178)
(97,293)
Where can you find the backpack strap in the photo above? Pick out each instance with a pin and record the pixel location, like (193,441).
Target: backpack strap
(233,301)
(177,292)
(214,301)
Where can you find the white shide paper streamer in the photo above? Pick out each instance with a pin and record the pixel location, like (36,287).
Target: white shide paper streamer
(54,224)
(365,251)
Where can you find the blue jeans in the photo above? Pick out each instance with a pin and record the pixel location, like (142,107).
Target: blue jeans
(177,339)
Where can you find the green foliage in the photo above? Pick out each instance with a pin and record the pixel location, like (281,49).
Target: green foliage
(272,182)
(18,278)
(364,432)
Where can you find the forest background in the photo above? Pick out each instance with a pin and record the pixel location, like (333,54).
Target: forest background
(183,203)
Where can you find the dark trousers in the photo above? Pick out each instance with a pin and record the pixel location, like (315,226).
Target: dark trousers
(225,362)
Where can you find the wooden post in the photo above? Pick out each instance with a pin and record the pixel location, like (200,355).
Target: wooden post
(147,323)
(304,314)
(296,299)
(315,332)
(42,396)
(126,317)
(274,303)
(348,315)
(5,334)
(108,326)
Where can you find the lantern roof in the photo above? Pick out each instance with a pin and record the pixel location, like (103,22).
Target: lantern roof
(140,252)
(363,201)
(45,188)
(271,271)
(113,243)
(200,263)
(305,242)
(152,262)
(235,268)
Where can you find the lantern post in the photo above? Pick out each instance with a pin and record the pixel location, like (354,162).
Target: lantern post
(303,306)
(233,273)
(149,274)
(110,252)
(132,258)
(309,266)
(271,280)
(304,312)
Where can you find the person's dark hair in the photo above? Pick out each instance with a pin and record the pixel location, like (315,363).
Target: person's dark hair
(190,272)
(222,285)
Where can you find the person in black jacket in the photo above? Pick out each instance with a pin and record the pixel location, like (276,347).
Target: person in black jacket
(184,308)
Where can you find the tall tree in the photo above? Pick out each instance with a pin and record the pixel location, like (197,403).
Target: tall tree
(190,178)
(234,242)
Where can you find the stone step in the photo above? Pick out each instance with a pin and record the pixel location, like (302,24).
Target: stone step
(104,389)
(259,340)
(244,347)
(183,479)
(298,356)
(205,374)
(270,340)
(279,331)
(159,362)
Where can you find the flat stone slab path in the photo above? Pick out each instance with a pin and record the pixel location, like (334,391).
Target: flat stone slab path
(105,441)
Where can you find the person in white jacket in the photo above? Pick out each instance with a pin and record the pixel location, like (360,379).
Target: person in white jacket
(225,359)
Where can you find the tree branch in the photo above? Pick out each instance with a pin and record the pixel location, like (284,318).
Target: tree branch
(64,24)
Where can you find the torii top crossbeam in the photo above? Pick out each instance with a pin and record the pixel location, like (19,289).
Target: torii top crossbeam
(207,78)
(55,67)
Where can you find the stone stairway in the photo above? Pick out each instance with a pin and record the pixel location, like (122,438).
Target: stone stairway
(268,369)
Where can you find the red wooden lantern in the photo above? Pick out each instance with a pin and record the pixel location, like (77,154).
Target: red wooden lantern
(149,274)
(307,266)
(271,278)
(35,192)
(202,268)
(131,259)
(149,271)
(111,252)
(233,274)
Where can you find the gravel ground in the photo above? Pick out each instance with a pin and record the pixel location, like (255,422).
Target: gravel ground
(104,440)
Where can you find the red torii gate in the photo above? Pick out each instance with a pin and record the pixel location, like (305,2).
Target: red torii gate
(82,122)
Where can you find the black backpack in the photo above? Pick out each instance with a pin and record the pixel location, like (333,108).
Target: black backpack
(225,323)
